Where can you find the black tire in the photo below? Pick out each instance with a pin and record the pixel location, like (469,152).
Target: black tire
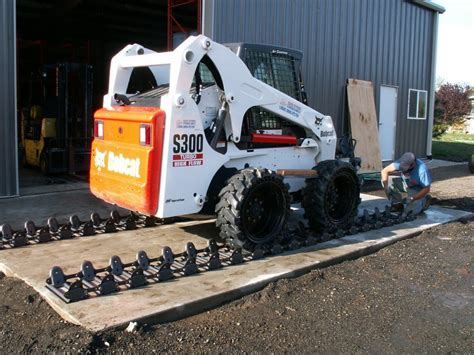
(253,208)
(331,199)
(471,164)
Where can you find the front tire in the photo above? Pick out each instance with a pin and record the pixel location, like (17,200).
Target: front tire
(253,209)
(332,198)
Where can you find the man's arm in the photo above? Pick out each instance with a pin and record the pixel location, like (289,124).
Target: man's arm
(422,193)
(385,172)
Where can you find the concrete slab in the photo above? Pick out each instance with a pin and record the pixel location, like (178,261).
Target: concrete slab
(185,296)
(61,205)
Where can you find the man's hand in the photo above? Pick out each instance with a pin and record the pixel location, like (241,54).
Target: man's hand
(407,200)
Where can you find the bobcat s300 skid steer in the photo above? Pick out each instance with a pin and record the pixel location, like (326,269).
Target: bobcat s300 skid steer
(219,128)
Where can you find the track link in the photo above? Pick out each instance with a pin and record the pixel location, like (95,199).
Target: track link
(119,276)
(74,228)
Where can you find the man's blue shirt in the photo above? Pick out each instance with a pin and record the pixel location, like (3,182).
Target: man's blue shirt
(418,177)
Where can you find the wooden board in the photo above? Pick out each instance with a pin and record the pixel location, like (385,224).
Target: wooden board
(363,122)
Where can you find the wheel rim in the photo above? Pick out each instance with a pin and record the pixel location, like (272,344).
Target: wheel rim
(263,212)
(341,196)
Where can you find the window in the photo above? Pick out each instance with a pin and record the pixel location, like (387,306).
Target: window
(275,69)
(417,104)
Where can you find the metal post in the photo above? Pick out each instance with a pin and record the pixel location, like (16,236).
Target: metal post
(434,45)
(9,184)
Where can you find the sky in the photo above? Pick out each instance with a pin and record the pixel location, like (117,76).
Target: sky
(455,59)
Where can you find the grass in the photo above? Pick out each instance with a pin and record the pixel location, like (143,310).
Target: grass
(455,137)
(454,146)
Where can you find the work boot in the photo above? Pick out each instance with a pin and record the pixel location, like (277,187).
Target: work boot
(396,207)
(427,202)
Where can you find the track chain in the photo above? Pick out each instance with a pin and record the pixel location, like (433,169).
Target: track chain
(53,231)
(119,276)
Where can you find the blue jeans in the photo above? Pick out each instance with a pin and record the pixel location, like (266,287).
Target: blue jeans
(396,186)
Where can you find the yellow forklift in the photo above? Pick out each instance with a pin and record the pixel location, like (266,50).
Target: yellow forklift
(36,130)
(56,129)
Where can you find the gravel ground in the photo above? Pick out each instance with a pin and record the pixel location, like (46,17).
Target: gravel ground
(414,296)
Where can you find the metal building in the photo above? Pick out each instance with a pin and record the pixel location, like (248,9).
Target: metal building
(391,43)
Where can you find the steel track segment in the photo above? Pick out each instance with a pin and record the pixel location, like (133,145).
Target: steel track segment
(74,228)
(144,271)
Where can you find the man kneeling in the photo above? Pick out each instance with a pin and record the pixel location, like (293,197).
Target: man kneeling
(415,180)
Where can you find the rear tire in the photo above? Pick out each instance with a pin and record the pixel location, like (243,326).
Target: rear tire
(253,209)
(332,198)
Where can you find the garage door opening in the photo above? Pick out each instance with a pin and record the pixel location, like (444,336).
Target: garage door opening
(63,54)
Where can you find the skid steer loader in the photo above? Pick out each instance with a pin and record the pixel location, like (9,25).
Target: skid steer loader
(224,128)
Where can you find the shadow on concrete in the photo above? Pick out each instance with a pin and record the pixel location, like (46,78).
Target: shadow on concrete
(204,230)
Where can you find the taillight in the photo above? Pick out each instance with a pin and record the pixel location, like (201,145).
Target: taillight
(99,129)
(145,134)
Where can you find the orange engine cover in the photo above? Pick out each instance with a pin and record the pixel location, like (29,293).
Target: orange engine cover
(125,171)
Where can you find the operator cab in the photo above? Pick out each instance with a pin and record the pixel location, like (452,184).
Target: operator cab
(280,68)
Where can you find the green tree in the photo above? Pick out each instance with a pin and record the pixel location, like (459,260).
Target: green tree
(451,106)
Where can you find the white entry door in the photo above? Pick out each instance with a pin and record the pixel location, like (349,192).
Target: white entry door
(387,121)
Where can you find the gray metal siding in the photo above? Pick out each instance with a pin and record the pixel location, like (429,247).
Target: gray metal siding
(385,41)
(8,136)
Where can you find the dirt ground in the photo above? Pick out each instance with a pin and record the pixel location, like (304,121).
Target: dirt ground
(416,296)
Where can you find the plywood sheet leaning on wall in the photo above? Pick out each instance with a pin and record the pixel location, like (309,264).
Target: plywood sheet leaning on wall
(363,122)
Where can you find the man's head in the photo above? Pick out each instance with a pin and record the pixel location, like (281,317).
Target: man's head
(407,162)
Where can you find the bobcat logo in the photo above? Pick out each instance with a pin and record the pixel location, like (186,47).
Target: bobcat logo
(99,160)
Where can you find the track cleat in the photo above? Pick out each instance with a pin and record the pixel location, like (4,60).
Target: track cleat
(30,229)
(96,220)
(236,257)
(149,222)
(115,265)
(130,223)
(76,292)
(107,285)
(164,270)
(65,232)
(87,272)
(88,229)
(44,235)
(276,249)
(143,261)
(110,226)
(214,261)
(7,232)
(190,266)
(53,225)
(18,239)
(137,278)
(75,222)
(115,215)
(376,215)
(258,253)
(56,277)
